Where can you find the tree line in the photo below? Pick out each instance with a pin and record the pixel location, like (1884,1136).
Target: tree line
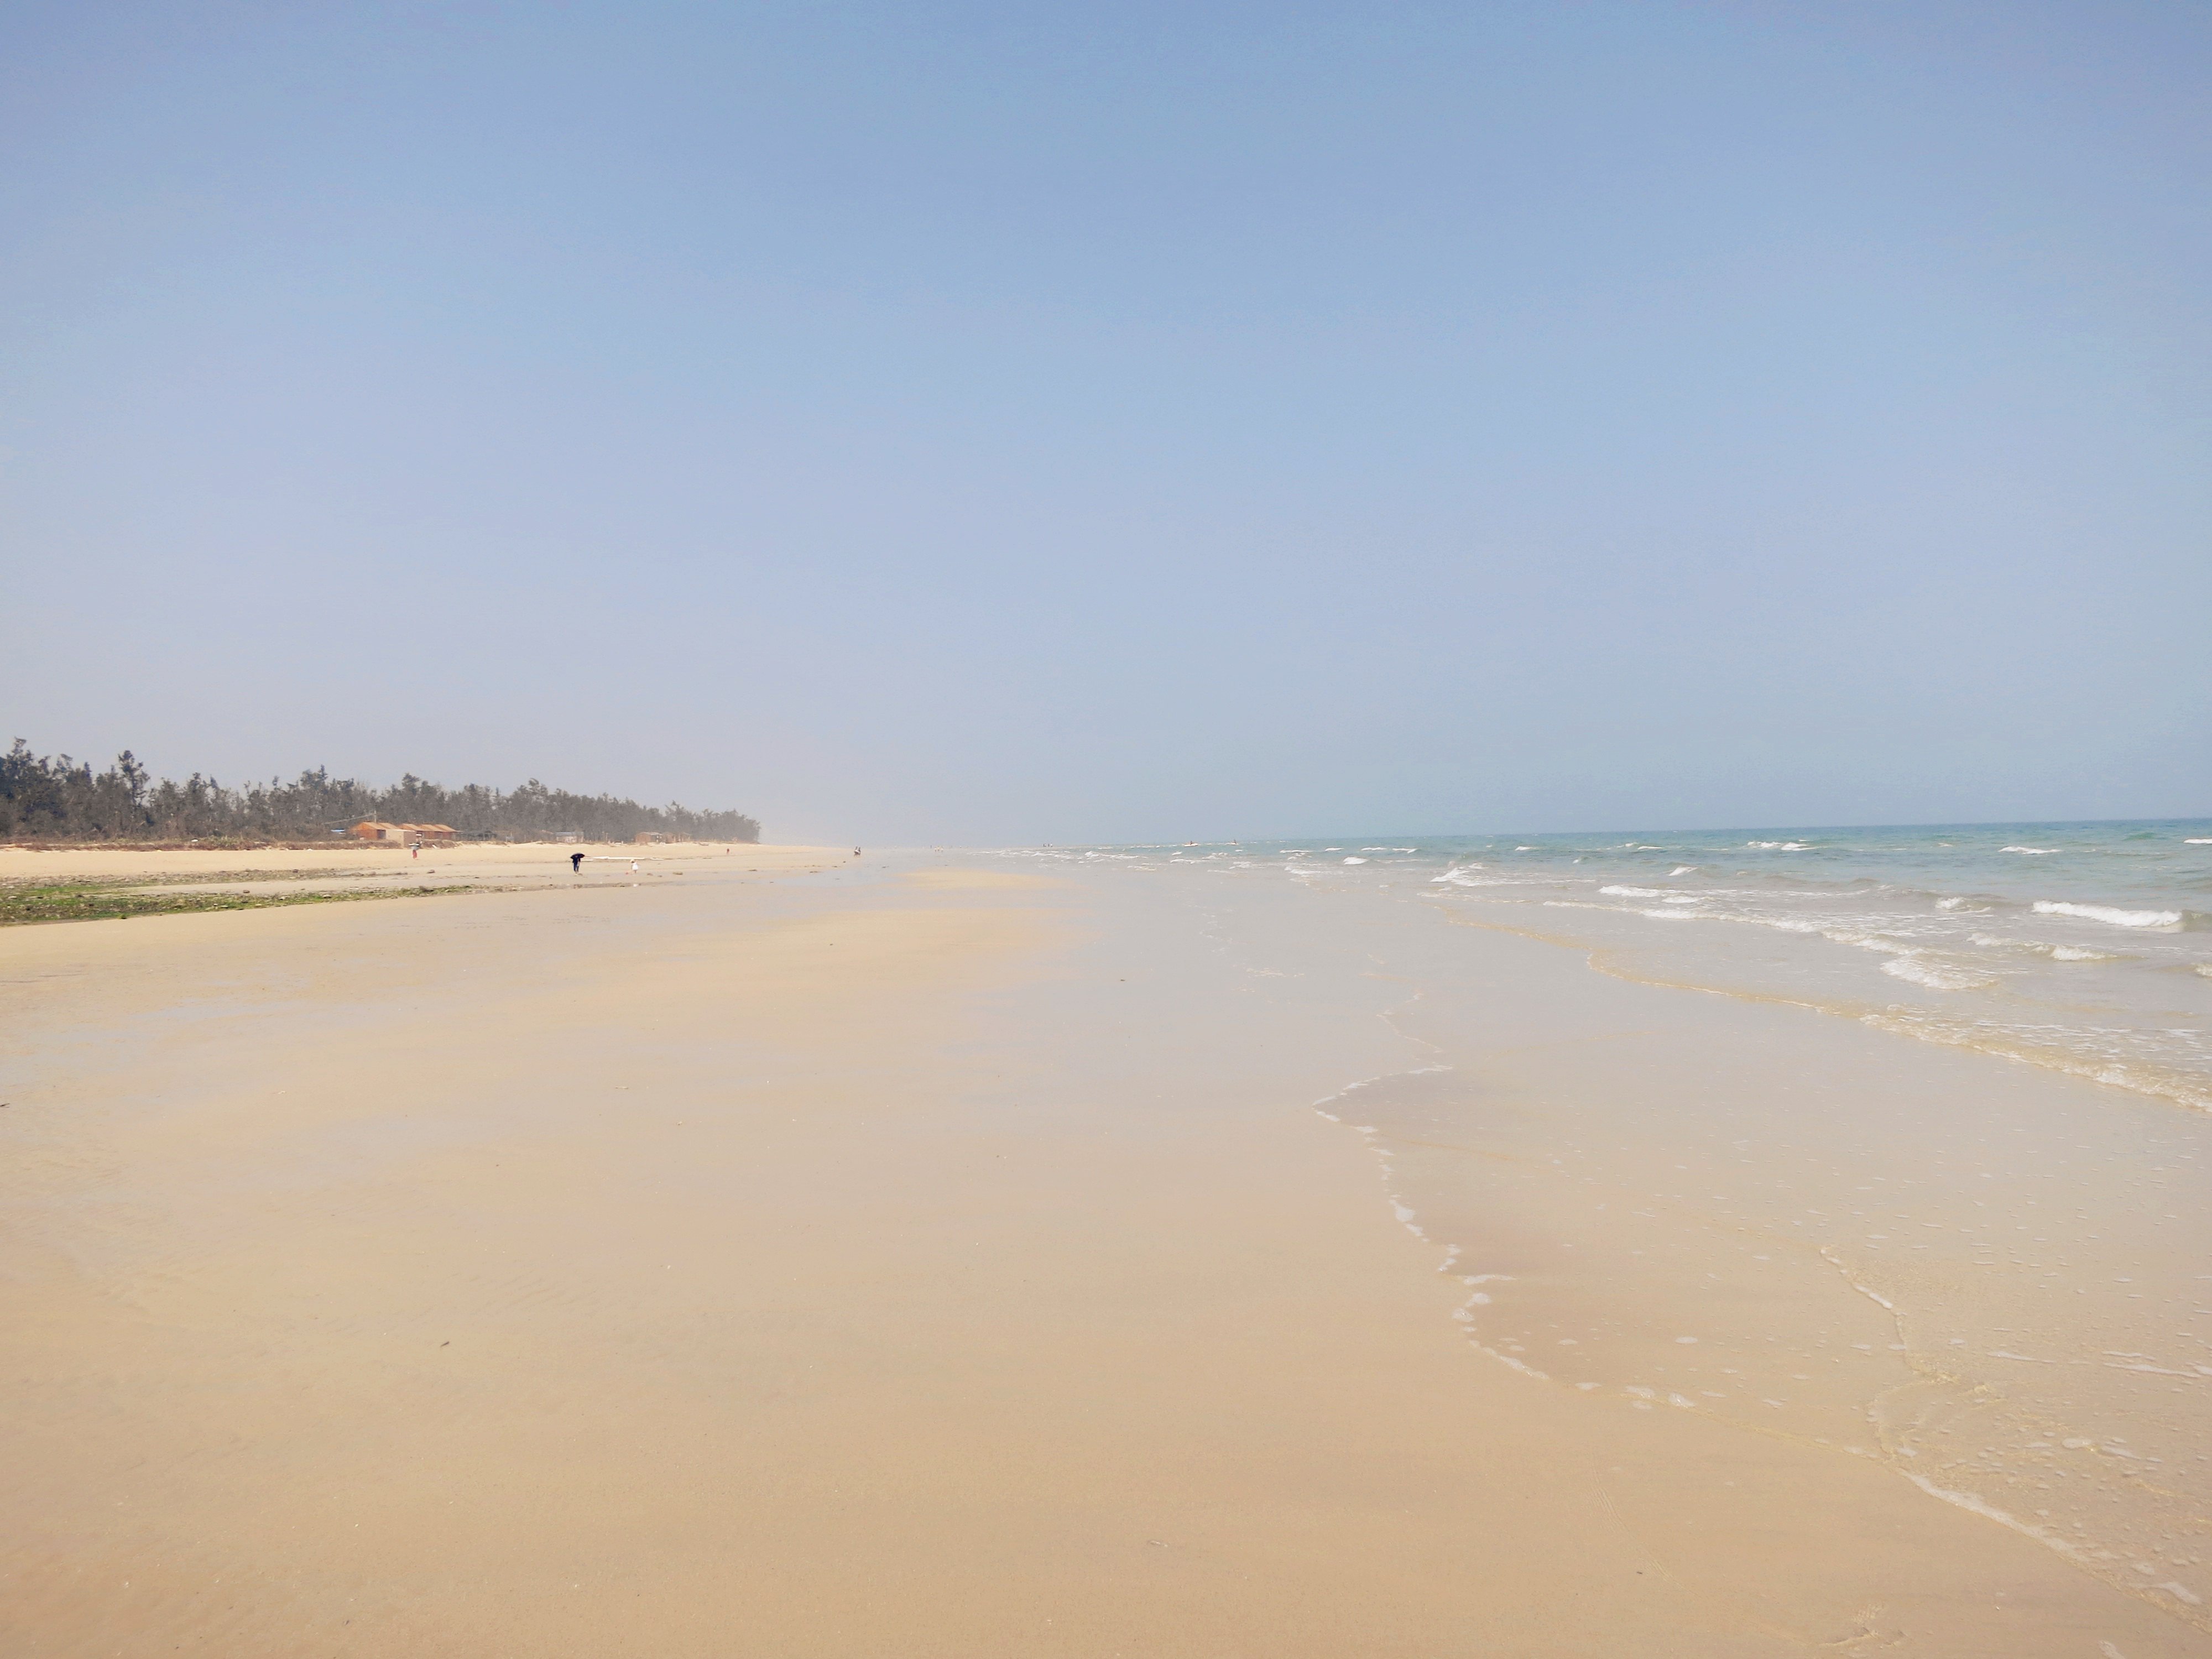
(54,797)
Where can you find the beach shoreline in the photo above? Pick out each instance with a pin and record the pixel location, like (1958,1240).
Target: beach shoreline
(937,1255)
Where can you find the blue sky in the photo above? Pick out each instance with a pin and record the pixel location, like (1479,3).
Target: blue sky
(995,424)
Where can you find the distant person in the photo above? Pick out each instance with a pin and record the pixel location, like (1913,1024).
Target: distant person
(576,863)
(856,852)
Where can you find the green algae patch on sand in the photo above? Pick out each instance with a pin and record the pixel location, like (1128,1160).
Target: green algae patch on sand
(27,903)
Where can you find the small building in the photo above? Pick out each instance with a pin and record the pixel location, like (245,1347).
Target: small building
(566,835)
(404,834)
(652,838)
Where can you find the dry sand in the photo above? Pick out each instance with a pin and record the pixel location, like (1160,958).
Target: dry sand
(898,1258)
(464,861)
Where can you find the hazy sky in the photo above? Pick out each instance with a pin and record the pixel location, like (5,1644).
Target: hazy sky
(992,423)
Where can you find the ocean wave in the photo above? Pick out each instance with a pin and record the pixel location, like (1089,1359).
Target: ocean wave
(1462,875)
(2162,920)
(1935,975)
(2099,1055)
(1355,861)
(2038,947)
(2032,852)
(1634,892)
(1782,846)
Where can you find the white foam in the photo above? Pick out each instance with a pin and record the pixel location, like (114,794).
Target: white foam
(2056,952)
(1948,903)
(2199,841)
(1935,975)
(1634,892)
(1355,861)
(1967,1501)
(2164,920)
(1681,870)
(1782,846)
(2031,852)
(1459,876)
(1524,1368)
(1875,1297)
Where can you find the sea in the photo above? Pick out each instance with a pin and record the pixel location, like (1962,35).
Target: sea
(2083,947)
(1893,1143)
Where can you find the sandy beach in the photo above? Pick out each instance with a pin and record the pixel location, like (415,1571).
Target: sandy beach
(1515,706)
(464,862)
(778,1252)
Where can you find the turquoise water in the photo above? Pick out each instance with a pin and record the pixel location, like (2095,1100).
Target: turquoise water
(2083,947)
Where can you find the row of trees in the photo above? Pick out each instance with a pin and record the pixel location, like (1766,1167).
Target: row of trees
(53,798)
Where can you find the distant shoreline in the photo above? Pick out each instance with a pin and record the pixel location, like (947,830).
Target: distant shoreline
(332,842)
(58,797)
(117,881)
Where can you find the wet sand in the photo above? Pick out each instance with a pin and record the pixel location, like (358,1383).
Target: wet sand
(912,1256)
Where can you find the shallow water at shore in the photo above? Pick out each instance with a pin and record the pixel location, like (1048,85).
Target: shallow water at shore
(1992,1279)
(2084,948)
